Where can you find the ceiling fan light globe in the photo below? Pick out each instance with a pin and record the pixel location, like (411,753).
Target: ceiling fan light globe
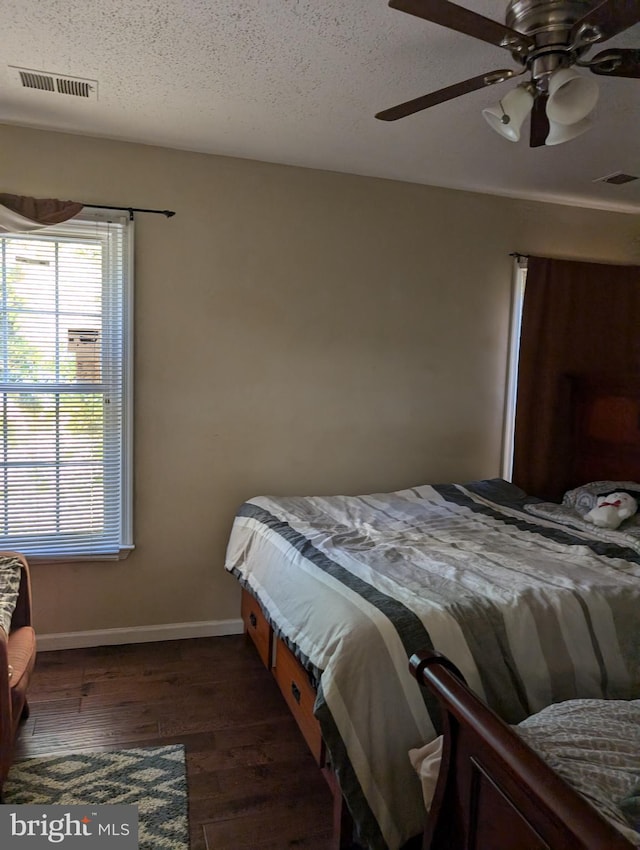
(571,96)
(495,119)
(560,133)
(514,106)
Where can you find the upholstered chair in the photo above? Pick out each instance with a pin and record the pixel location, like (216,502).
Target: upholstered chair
(17,659)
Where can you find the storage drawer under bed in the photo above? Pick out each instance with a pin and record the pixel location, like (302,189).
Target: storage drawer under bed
(290,675)
(257,627)
(300,696)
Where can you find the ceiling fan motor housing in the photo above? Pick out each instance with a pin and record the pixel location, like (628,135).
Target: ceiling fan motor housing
(549,23)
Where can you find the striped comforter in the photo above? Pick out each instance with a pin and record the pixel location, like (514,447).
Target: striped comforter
(532,611)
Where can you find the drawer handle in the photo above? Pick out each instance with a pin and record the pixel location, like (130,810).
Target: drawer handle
(252,619)
(295,690)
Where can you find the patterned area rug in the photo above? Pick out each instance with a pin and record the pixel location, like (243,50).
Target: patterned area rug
(153,778)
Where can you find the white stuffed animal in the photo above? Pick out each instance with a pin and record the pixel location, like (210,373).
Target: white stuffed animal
(612,509)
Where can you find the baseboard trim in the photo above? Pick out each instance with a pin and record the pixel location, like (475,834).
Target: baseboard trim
(139,634)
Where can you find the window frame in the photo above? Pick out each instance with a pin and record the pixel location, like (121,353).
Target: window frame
(78,226)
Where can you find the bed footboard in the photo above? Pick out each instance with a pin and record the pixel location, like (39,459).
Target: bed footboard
(494,792)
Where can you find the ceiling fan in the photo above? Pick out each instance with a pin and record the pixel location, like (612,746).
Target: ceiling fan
(548,38)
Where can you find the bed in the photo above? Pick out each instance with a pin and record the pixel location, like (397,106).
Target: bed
(533,607)
(567,777)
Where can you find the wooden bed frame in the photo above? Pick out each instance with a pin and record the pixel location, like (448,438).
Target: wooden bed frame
(605,428)
(493,791)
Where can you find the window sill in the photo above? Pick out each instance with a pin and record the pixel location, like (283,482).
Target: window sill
(122,555)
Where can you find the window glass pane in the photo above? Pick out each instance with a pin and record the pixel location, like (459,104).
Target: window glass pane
(511,392)
(81,428)
(31,504)
(30,265)
(82,499)
(31,428)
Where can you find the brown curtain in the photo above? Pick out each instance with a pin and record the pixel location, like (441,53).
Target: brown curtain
(44,211)
(579,320)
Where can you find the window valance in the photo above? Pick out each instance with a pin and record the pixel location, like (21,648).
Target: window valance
(21,214)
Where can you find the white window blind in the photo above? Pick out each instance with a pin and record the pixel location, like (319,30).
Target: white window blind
(65,364)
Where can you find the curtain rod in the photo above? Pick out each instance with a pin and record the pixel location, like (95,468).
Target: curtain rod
(131,210)
(519,255)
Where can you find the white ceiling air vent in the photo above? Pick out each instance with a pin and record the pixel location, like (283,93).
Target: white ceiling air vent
(27,78)
(618,178)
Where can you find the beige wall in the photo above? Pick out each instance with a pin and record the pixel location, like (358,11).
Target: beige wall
(296,331)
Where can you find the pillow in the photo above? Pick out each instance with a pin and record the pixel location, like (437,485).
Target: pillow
(594,745)
(583,499)
(10,575)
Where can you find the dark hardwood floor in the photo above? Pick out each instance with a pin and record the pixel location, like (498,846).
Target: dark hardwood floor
(252,783)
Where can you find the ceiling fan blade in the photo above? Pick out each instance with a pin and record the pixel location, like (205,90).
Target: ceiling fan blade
(448,93)
(539,122)
(610,17)
(616,63)
(465,21)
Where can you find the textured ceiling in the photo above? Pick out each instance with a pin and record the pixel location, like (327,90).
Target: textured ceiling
(299,82)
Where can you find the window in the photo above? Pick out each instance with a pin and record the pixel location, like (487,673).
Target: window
(65,390)
(517,300)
